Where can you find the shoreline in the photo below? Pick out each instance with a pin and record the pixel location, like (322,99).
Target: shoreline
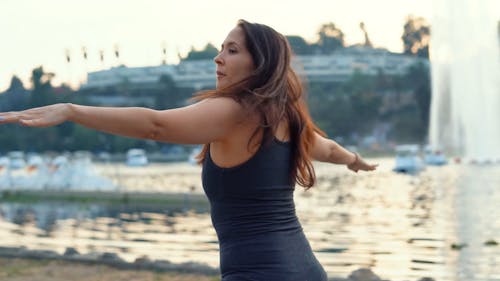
(20,263)
(25,269)
(177,199)
(109,259)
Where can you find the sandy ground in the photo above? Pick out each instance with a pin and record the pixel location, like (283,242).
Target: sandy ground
(45,270)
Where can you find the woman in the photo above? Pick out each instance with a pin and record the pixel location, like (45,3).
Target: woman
(259,141)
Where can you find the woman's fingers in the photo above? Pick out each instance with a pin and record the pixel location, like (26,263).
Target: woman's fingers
(9,117)
(363,166)
(22,117)
(35,117)
(368,167)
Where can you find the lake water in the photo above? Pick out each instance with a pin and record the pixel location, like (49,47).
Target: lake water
(401,226)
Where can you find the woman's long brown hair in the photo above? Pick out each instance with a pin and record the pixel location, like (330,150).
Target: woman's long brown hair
(276,93)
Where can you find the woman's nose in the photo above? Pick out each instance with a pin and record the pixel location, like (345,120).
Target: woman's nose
(218,58)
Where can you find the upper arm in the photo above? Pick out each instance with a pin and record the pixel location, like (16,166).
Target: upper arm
(322,148)
(209,120)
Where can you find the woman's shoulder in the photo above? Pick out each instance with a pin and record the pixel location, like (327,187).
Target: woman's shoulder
(222,109)
(222,102)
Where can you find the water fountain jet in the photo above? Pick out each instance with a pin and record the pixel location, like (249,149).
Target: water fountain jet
(465,67)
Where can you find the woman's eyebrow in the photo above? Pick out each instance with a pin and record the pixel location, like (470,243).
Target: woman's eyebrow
(229,44)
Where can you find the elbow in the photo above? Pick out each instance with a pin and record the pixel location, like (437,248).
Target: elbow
(154,136)
(154,132)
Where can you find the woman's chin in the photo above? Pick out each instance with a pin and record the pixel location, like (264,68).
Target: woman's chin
(219,85)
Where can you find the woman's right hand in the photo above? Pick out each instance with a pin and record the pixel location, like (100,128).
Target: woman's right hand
(45,116)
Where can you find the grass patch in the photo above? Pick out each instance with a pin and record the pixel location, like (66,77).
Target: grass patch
(19,267)
(35,196)
(51,270)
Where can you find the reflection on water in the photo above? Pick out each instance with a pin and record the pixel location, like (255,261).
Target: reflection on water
(478,219)
(401,226)
(175,235)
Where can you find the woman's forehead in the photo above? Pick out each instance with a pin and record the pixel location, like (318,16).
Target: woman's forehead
(235,36)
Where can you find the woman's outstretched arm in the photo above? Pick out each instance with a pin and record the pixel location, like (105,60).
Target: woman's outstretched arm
(203,122)
(327,150)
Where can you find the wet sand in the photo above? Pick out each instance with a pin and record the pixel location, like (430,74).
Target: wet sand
(45,270)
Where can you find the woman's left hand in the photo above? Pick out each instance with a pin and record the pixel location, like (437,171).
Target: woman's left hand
(359,164)
(45,116)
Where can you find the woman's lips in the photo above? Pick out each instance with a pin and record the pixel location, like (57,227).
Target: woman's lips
(220,75)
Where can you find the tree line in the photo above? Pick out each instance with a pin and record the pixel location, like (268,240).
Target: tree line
(415,39)
(396,106)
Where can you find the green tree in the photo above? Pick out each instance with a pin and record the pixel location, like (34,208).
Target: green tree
(407,127)
(330,38)
(121,144)
(42,93)
(168,95)
(9,137)
(331,109)
(299,45)
(418,80)
(16,96)
(416,36)
(365,102)
(15,84)
(84,139)
(209,52)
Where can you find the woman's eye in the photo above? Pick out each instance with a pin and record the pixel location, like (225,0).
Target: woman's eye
(232,51)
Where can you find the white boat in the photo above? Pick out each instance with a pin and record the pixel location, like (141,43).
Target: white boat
(84,176)
(16,160)
(59,173)
(4,172)
(408,159)
(137,157)
(194,153)
(35,160)
(434,156)
(4,163)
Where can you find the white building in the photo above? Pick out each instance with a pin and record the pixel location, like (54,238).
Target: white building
(339,66)
(122,74)
(200,74)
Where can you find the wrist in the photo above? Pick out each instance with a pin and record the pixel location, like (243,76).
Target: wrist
(356,159)
(70,111)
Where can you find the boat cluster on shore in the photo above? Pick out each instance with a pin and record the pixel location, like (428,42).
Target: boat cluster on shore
(75,170)
(409,158)
(64,171)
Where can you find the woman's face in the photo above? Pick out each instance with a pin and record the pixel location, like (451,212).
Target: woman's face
(234,62)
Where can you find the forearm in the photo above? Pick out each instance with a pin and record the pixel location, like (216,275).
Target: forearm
(327,150)
(339,155)
(134,122)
